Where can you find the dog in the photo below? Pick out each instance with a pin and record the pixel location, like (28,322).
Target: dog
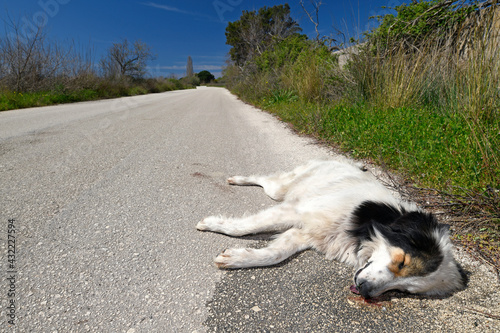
(338,208)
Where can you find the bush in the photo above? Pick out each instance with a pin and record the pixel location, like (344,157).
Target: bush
(104,89)
(137,90)
(190,82)
(283,53)
(176,84)
(110,88)
(294,64)
(420,21)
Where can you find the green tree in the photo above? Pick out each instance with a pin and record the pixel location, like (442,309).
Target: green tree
(256,31)
(205,76)
(283,53)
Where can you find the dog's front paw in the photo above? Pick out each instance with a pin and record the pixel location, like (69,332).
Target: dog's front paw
(233,258)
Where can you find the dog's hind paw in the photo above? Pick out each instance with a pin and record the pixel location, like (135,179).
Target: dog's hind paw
(222,260)
(237,180)
(202,226)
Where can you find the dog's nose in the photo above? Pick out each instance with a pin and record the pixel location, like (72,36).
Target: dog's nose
(364,288)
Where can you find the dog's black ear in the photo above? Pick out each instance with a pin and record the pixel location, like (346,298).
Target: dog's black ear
(370,215)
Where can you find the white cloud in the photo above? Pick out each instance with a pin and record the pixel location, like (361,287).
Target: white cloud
(170,67)
(207,67)
(167,8)
(176,10)
(196,67)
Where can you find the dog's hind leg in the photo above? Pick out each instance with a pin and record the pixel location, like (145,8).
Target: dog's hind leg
(275,218)
(285,245)
(275,186)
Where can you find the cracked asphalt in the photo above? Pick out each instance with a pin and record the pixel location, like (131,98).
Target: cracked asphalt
(104,197)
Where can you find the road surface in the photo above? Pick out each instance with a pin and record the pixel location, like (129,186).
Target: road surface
(103,198)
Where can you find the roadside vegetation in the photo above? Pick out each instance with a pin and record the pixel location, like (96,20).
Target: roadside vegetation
(36,71)
(98,88)
(420,95)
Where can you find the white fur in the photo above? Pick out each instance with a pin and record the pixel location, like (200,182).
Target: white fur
(317,201)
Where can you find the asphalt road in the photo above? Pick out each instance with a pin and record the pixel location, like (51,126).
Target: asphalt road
(103,198)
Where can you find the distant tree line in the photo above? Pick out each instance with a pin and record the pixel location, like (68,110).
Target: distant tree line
(37,71)
(31,62)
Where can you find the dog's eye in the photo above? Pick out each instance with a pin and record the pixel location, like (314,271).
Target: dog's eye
(400,262)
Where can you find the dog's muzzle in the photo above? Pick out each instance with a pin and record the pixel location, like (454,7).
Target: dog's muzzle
(362,286)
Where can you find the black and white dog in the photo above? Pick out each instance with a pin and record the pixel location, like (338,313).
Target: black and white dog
(344,212)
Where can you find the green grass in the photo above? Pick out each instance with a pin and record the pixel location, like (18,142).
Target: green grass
(433,149)
(281,96)
(10,100)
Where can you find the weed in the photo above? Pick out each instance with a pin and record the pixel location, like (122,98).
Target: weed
(281,96)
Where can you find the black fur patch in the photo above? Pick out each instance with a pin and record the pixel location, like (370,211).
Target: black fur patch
(410,231)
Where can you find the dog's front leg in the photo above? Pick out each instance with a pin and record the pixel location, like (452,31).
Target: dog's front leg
(285,245)
(276,218)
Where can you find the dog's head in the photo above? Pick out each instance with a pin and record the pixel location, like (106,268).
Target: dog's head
(406,251)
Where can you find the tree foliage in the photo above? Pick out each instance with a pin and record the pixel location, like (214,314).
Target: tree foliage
(270,57)
(257,31)
(420,20)
(284,52)
(205,77)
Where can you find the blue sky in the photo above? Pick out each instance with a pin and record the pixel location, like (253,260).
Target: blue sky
(174,29)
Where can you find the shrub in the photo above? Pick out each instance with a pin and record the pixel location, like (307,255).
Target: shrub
(190,82)
(137,90)
(420,21)
(176,84)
